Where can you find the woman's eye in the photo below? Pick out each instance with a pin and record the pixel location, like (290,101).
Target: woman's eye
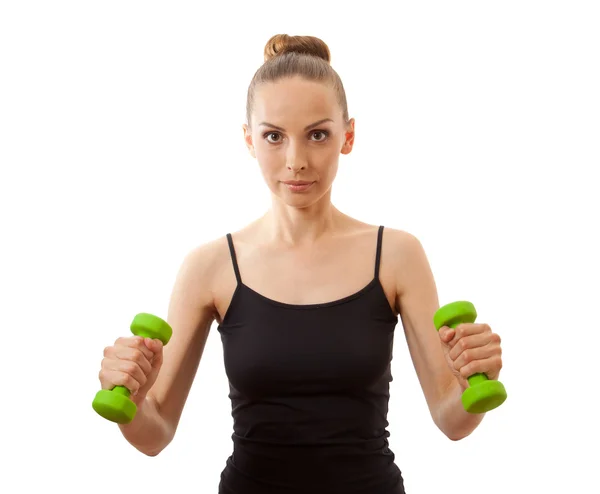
(275,137)
(271,134)
(320,132)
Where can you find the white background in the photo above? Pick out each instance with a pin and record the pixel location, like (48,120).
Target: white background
(121,149)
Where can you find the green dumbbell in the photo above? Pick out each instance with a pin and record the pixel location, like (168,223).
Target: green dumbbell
(483,394)
(114,404)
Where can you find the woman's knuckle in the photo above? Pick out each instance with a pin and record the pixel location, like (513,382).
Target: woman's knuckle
(130,367)
(138,357)
(138,342)
(129,382)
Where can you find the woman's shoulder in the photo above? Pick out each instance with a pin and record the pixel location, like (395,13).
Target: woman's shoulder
(400,245)
(391,232)
(400,237)
(393,237)
(206,258)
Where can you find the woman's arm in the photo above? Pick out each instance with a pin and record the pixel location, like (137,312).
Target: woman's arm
(417,301)
(191,314)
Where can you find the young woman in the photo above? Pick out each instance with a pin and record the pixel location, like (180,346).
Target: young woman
(306,299)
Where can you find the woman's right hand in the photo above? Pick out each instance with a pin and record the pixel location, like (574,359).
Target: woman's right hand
(132,362)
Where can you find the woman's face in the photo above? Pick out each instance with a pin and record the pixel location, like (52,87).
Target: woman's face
(297,134)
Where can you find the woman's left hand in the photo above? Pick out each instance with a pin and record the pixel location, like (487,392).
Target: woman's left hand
(472,348)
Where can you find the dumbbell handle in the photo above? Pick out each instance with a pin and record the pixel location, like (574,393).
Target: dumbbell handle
(478,377)
(142,331)
(122,390)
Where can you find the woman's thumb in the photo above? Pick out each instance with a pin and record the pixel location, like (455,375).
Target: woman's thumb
(156,346)
(446,334)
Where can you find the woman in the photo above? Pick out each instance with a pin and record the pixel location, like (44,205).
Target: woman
(307,300)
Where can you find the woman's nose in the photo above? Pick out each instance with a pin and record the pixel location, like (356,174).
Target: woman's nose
(295,166)
(296,161)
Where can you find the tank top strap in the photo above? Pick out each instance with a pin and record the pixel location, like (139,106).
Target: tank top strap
(234,259)
(378,256)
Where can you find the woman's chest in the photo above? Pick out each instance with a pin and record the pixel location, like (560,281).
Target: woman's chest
(305,279)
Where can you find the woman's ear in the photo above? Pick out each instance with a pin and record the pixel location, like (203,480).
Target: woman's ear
(349,138)
(248,140)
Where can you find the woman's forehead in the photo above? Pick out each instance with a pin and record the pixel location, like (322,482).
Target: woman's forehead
(294,98)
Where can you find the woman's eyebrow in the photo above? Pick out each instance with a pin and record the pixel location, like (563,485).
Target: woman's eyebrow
(267,124)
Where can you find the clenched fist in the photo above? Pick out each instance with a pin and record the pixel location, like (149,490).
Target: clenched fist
(472,348)
(132,362)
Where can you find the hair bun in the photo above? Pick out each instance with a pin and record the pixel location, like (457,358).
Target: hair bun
(308,45)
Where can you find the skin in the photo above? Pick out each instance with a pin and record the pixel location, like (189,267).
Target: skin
(306,237)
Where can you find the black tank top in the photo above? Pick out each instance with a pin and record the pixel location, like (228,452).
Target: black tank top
(309,388)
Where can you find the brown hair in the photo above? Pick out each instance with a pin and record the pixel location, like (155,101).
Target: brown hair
(304,56)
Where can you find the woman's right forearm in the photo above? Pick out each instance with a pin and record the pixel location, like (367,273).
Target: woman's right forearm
(148,432)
